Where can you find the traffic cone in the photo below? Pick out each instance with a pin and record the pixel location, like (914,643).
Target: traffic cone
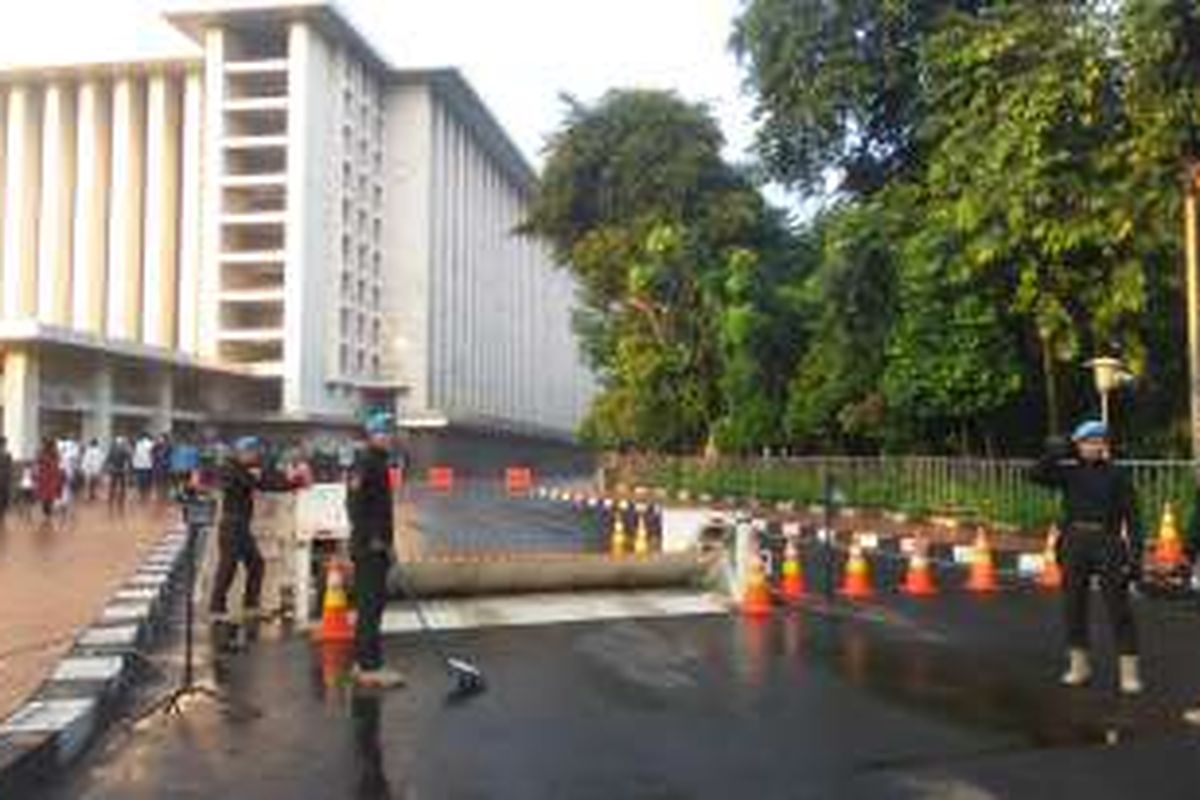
(756,597)
(1051,576)
(335,611)
(857,582)
(641,538)
(336,658)
(983,568)
(1168,547)
(792,587)
(620,540)
(918,578)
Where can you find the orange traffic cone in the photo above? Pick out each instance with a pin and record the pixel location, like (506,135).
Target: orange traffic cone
(918,579)
(335,611)
(1051,576)
(983,568)
(792,587)
(620,540)
(1168,547)
(756,597)
(641,538)
(857,582)
(336,658)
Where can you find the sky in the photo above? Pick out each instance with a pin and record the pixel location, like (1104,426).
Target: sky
(521,55)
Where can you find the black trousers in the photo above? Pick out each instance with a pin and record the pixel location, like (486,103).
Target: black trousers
(370,595)
(118,484)
(1088,553)
(236,545)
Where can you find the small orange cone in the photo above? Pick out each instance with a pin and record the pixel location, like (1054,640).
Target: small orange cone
(983,568)
(756,598)
(792,587)
(857,582)
(1051,576)
(918,579)
(1168,547)
(335,611)
(641,538)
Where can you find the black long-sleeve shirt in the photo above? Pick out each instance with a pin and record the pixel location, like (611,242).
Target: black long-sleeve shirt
(1098,492)
(238,485)
(369,502)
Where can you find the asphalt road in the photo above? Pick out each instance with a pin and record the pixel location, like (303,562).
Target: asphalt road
(948,698)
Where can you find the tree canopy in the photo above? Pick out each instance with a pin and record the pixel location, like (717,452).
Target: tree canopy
(1002,202)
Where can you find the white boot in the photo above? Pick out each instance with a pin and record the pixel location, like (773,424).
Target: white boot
(1131,679)
(1079,669)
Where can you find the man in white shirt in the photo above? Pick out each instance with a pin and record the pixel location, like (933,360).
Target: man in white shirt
(143,465)
(93,467)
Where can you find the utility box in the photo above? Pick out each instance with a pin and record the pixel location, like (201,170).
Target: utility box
(322,529)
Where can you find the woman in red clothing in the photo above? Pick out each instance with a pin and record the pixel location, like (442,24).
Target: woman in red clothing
(48,477)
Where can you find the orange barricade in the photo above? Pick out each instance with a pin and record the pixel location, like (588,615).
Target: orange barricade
(441,479)
(518,480)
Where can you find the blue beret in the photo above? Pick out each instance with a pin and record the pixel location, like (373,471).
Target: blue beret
(1090,429)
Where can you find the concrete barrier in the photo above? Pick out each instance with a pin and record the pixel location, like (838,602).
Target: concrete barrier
(552,573)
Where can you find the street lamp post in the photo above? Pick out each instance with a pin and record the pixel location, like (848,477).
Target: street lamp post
(1110,374)
(1191,186)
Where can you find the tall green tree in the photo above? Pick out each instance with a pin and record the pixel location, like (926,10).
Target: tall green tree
(838,86)
(673,250)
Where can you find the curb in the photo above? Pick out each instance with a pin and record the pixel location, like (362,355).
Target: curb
(73,705)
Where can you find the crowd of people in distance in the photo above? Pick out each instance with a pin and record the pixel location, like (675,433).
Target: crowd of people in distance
(142,469)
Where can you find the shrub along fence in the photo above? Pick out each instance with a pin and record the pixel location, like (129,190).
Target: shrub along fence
(985,489)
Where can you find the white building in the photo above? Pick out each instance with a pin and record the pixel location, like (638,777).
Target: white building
(278,228)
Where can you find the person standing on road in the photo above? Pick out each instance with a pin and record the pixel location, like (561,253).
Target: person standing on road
(48,478)
(6,478)
(143,465)
(93,467)
(1100,536)
(118,465)
(240,478)
(369,506)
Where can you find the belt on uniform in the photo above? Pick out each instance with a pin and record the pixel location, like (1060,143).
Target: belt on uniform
(1088,527)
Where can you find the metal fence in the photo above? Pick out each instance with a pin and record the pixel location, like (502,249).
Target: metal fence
(989,489)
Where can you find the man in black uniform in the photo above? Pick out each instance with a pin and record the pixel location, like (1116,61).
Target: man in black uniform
(1100,536)
(6,478)
(240,478)
(369,505)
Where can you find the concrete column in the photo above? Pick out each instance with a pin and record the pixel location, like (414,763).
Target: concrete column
(164,400)
(159,266)
(214,169)
(190,255)
(58,195)
(3,174)
(89,291)
(21,197)
(21,394)
(125,213)
(301,46)
(99,423)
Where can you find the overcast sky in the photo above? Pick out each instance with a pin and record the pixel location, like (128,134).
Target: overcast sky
(519,54)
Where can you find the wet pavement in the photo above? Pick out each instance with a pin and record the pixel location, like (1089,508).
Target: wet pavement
(55,576)
(479,518)
(951,697)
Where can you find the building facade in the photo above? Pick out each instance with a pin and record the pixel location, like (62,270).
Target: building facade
(277,228)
